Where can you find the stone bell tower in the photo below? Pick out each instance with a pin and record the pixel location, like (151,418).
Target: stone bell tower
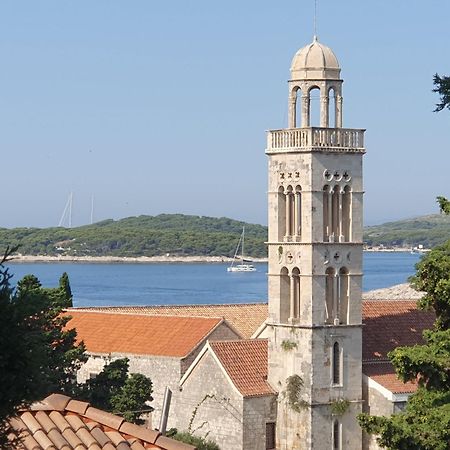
(315,262)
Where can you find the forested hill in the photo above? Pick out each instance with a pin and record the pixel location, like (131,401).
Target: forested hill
(429,231)
(181,235)
(176,234)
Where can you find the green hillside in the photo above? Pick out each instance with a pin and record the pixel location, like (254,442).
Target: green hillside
(176,234)
(182,235)
(426,230)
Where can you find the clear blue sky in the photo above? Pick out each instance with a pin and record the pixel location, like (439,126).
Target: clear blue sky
(162,106)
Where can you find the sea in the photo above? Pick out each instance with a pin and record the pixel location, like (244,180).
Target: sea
(118,284)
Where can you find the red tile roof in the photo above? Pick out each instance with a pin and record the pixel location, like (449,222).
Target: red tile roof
(245,362)
(384,374)
(245,318)
(389,324)
(141,334)
(60,423)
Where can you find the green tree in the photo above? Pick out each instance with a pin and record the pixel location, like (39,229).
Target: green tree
(38,354)
(113,389)
(442,87)
(425,422)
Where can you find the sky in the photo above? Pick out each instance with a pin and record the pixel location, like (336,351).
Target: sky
(158,107)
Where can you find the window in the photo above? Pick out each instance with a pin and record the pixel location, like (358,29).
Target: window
(336,363)
(336,435)
(270,435)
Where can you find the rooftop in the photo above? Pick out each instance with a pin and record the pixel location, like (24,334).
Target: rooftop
(141,334)
(384,374)
(61,423)
(245,362)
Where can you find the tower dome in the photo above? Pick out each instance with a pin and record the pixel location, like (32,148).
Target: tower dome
(315,62)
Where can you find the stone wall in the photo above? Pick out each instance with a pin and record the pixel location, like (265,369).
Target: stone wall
(209,403)
(258,411)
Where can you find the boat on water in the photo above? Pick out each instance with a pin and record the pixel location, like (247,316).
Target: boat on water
(244,265)
(419,250)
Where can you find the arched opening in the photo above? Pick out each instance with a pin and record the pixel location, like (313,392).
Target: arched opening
(281,200)
(298,213)
(329,294)
(295,294)
(346,213)
(290,212)
(336,363)
(336,435)
(335,206)
(314,106)
(284,295)
(332,107)
(343,295)
(326,213)
(296,108)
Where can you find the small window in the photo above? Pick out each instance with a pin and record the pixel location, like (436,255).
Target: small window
(336,363)
(270,435)
(336,435)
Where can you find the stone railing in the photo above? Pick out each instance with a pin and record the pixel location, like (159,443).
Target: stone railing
(338,139)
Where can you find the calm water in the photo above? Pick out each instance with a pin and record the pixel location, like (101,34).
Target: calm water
(159,284)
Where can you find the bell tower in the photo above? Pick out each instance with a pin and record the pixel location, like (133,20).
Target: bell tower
(315,262)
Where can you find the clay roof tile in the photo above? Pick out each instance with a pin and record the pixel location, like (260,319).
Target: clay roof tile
(171,444)
(57,402)
(77,406)
(104,418)
(139,432)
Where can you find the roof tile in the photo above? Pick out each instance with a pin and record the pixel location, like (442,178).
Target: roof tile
(139,432)
(103,417)
(141,334)
(77,406)
(171,444)
(384,374)
(58,402)
(245,362)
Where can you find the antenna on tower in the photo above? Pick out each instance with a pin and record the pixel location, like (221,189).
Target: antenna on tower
(315,20)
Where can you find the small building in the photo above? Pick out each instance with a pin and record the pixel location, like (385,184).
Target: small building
(160,347)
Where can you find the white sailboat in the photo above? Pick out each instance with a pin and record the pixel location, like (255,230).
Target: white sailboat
(243,266)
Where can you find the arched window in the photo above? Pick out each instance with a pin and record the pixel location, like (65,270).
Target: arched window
(326,214)
(295,293)
(336,435)
(346,213)
(298,212)
(332,107)
(343,295)
(335,213)
(336,364)
(284,295)
(290,199)
(314,107)
(281,214)
(329,294)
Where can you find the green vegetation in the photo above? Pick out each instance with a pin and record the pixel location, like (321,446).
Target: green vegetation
(426,230)
(425,422)
(176,234)
(197,441)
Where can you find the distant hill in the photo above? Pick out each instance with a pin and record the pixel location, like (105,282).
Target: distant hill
(176,234)
(429,231)
(182,235)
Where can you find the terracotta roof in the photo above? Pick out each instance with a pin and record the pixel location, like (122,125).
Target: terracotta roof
(384,374)
(245,362)
(140,334)
(389,324)
(245,318)
(60,423)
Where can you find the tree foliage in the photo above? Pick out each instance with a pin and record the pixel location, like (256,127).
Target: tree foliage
(442,87)
(113,389)
(425,422)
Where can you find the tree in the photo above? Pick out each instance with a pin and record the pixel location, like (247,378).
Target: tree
(113,389)
(425,422)
(38,355)
(442,87)
(444,204)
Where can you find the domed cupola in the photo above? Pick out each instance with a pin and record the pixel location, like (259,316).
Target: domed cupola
(315,67)
(315,62)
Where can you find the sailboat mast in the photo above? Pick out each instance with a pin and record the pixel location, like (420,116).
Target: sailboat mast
(243,234)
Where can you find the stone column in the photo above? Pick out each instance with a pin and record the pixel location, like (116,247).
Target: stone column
(288,214)
(297,215)
(336,299)
(324,114)
(292,298)
(292,112)
(330,214)
(340,218)
(338,111)
(305,110)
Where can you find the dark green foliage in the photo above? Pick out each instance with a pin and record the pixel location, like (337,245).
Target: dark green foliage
(444,204)
(442,87)
(427,230)
(176,234)
(64,285)
(115,390)
(38,355)
(187,438)
(425,422)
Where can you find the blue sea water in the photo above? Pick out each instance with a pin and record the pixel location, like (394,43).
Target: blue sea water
(175,284)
